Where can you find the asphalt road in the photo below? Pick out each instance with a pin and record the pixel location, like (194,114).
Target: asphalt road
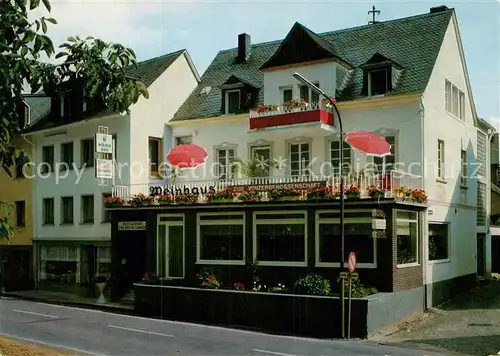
(100,333)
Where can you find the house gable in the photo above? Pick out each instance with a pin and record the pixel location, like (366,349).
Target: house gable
(299,46)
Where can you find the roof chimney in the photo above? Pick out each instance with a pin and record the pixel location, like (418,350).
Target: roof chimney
(244,46)
(438,9)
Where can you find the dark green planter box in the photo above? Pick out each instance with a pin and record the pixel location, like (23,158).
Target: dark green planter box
(270,312)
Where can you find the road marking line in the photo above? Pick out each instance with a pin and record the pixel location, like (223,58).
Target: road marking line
(33,313)
(272,352)
(140,331)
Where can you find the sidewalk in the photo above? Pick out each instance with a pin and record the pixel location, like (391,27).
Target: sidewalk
(68,299)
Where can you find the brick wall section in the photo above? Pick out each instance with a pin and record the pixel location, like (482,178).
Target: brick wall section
(406,277)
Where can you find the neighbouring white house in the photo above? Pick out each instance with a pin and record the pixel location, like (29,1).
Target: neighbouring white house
(72,230)
(405,79)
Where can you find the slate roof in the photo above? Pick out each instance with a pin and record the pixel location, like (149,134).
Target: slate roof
(147,71)
(39,107)
(412,42)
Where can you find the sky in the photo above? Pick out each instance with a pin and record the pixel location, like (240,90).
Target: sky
(156,27)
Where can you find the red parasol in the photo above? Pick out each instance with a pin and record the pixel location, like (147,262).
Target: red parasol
(369,143)
(187,156)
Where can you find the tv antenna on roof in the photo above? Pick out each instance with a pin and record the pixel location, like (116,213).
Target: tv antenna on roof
(374,13)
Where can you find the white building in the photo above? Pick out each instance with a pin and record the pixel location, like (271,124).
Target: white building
(72,230)
(405,79)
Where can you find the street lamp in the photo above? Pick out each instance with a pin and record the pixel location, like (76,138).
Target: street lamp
(314,88)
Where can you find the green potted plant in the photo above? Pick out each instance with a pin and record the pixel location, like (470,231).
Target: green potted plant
(114,201)
(375,192)
(250,195)
(320,193)
(165,199)
(284,194)
(221,196)
(257,167)
(186,198)
(141,200)
(352,192)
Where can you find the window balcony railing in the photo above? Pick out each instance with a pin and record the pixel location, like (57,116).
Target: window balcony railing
(291,113)
(389,183)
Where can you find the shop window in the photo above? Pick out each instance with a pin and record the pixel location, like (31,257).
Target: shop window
(59,264)
(221,238)
(439,241)
(407,242)
(280,238)
(357,238)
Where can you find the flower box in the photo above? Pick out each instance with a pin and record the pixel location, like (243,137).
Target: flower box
(289,198)
(221,201)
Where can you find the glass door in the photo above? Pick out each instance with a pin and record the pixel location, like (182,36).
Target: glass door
(170,247)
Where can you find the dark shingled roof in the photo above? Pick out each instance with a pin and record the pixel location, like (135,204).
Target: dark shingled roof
(147,72)
(412,42)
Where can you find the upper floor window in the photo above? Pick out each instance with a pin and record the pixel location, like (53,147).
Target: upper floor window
(155,156)
(440,159)
(67,155)
(183,140)
(286,94)
(48,159)
(62,108)
(454,100)
(67,210)
(263,156)
(300,156)
(233,101)
(463,170)
(335,156)
(225,160)
(88,152)
(48,211)
(378,81)
(387,162)
(309,95)
(87,209)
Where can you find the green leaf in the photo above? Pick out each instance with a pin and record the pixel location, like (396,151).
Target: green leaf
(71,39)
(142,88)
(52,20)
(34,4)
(47,5)
(61,54)
(44,25)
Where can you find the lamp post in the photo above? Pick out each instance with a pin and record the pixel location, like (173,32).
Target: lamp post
(314,88)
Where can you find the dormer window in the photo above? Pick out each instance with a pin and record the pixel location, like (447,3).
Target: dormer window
(381,75)
(233,101)
(378,81)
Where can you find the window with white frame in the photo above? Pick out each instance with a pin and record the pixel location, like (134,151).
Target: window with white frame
(225,161)
(280,238)
(183,140)
(286,94)
(221,238)
(87,153)
(454,100)
(335,156)
(300,157)
(263,156)
(233,101)
(358,238)
(463,168)
(386,163)
(308,94)
(440,160)
(408,239)
(439,241)
(48,159)
(59,264)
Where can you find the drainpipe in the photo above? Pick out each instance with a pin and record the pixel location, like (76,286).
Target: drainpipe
(423,172)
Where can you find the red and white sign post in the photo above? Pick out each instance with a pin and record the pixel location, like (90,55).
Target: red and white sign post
(350,276)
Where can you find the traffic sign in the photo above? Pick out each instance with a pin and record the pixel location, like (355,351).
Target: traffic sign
(351,262)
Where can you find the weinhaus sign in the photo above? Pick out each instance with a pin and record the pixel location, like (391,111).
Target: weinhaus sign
(202,190)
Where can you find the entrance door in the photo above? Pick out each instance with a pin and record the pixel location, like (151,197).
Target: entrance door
(170,243)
